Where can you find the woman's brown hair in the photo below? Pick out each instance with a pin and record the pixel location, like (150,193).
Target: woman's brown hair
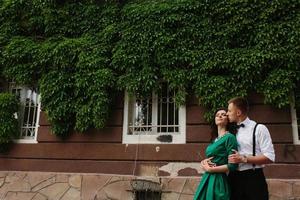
(231,127)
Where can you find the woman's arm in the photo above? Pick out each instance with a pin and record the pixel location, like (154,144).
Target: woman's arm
(210,167)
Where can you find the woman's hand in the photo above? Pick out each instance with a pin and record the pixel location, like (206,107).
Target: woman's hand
(207,164)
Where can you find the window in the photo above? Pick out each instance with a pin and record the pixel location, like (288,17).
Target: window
(3,85)
(155,119)
(28,115)
(295,111)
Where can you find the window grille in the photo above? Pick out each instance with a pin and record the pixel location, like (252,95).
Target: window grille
(28,114)
(156,116)
(146,190)
(162,117)
(147,195)
(2,85)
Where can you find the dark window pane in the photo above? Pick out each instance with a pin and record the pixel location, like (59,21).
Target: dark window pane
(147,195)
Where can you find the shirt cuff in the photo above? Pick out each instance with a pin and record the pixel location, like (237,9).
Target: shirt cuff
(271,156)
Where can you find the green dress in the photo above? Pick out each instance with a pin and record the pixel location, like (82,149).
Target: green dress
(214,186)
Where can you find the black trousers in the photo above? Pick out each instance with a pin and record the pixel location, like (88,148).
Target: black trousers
(248,185)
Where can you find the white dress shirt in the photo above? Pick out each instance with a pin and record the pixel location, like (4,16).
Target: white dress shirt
(264,145)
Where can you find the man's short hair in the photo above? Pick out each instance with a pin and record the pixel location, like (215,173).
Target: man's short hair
(241,103)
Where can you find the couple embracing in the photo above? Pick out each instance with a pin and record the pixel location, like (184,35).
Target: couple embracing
(236,156)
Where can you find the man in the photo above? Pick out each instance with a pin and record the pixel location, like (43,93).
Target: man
(249,182)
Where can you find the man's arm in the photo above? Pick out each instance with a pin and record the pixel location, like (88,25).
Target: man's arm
(257,160)
(266,146)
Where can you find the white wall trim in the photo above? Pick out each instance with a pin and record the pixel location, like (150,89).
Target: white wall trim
(294,121)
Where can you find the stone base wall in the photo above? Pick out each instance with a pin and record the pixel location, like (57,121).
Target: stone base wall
(68,186)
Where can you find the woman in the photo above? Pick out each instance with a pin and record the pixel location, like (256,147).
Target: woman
(214,184)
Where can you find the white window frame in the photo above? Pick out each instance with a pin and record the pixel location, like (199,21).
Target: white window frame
(179,138)
(295,124)
(38,111)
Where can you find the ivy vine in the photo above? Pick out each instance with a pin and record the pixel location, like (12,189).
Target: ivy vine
(9,124)
(80,53)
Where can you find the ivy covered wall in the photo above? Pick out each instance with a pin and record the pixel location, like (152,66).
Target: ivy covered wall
(79,53)
(8,123)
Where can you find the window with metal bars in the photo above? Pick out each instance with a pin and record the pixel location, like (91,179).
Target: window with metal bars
(147,195)
(146,190)
(295,111)
(3,85)
(154,119)
(28,114)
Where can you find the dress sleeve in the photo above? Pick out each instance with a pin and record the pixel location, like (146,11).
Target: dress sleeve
(231,143)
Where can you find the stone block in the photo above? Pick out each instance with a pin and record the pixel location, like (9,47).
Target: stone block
(75,181)
(44,184)
(11,177)
(174,184)
(112,190)
(39,197)
(55,191)
(35,179)
(19,196)
(296,189)
(271,197)
(15,185)
(281,189)
(3,174)
(72,193)
(62,178)
(2,181)
(190,186)
(186,197)
(169,196)
(91,184)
